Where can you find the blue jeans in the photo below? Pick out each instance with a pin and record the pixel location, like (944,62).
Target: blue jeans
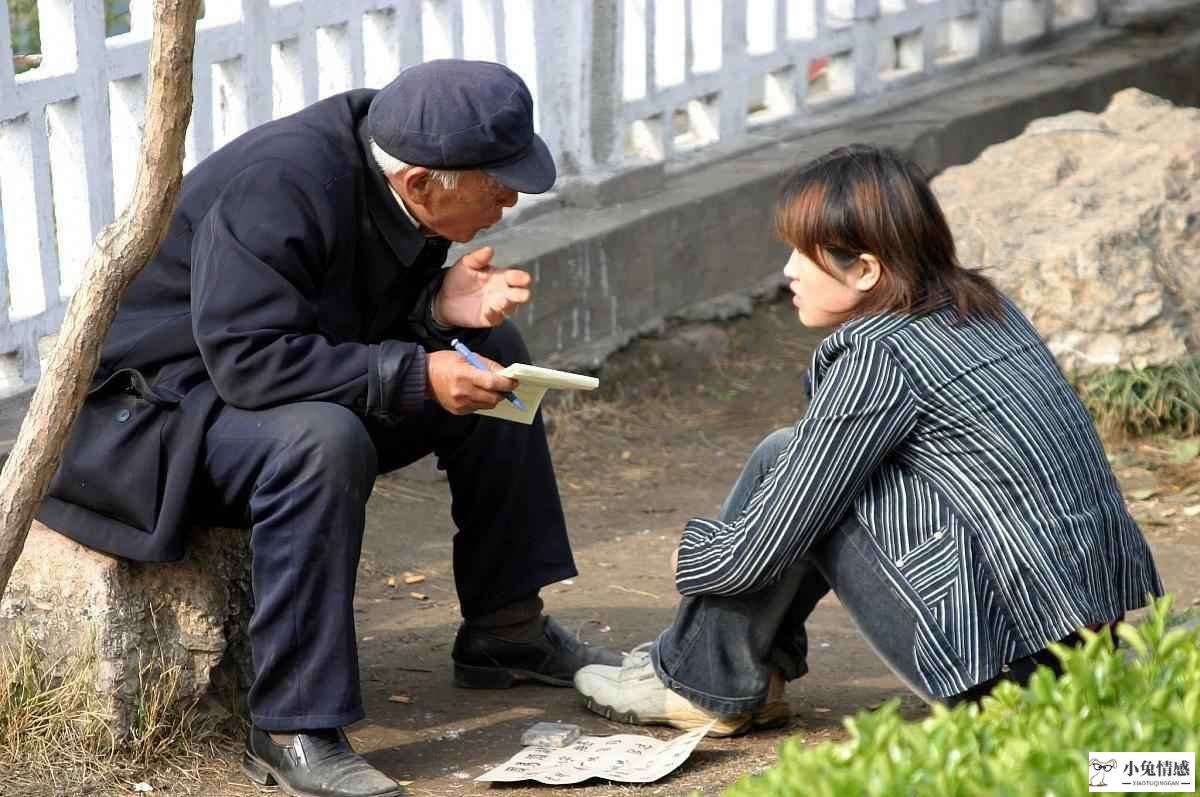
(720,651)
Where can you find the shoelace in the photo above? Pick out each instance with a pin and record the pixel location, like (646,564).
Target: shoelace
(636,664)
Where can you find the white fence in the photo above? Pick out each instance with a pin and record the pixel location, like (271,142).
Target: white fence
(615,82)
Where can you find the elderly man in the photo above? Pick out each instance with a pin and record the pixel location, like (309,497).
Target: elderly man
(288,343)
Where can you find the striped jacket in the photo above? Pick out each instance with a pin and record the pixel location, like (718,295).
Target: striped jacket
(978,473)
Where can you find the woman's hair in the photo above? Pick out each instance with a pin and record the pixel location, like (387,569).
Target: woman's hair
(857,200)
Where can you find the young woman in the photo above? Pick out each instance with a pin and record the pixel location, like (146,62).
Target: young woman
(946,483)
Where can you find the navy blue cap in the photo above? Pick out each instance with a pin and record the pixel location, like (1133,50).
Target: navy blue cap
(463,115)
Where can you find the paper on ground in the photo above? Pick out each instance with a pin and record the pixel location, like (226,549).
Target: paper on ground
(625,758)
(535,381)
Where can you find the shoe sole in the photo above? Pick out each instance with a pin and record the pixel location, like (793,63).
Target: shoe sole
(468,677)
(264,774)
(773,715)
(723,729)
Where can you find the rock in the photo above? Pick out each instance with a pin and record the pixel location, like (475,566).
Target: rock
(1091,223)
(133,615)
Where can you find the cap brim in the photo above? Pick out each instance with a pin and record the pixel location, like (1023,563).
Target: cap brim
(533,174)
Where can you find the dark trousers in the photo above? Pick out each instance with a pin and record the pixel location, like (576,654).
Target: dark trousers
(720,651)
(300,474)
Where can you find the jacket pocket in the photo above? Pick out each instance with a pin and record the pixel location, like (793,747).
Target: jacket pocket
(113,463)
(933,569)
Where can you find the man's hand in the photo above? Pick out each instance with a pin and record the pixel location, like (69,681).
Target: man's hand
(474,294)
(675,561)
(460,387)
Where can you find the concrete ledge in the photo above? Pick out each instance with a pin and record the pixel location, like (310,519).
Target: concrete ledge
(608,273)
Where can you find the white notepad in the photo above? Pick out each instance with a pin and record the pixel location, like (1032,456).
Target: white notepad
(535,381)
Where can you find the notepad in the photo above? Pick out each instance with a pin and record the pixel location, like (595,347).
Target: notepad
(534,382)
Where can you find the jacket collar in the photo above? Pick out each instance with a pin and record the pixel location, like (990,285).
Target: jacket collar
(402,236)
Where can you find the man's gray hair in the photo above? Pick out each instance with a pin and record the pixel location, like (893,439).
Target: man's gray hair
(393,165)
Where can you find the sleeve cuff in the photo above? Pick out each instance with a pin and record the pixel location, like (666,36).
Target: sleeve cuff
(695,540)
(396,379)
(410,392)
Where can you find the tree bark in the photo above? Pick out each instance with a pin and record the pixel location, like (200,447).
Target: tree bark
(121,250)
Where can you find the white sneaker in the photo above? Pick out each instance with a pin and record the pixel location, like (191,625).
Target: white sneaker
(634,694)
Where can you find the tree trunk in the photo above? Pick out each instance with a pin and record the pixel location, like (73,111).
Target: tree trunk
(121,250)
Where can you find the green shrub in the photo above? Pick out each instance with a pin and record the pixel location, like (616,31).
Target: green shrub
(1021,742)
(1138,401)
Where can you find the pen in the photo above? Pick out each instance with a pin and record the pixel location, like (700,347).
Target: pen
(462,349)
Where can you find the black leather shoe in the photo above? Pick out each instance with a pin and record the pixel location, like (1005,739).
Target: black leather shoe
(483,660)
(315,764)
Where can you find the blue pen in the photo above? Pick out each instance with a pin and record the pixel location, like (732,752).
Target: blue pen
(462,349)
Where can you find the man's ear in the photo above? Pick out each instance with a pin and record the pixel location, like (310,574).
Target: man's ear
(414,184)
(867,272)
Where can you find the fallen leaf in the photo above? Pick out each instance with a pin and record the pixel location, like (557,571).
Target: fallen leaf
(413,578)
(821,710)
(391,582)
(143,788)
(418,596)
(1185,451)
(626,454)
(399,699)
(1142,495)
(1192,511)
(1168,512)
(405,782)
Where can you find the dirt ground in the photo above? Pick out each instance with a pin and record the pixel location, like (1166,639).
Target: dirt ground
(662,441)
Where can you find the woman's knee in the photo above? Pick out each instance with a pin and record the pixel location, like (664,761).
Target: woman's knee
(769,448)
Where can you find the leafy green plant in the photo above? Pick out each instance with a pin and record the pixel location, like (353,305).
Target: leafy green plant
(1031,741)
(1139,401)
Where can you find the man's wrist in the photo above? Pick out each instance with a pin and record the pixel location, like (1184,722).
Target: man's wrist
(435,317)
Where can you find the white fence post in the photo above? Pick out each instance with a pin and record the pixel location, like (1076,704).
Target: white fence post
(605,84)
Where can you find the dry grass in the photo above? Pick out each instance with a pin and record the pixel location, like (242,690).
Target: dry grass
(55,737)
(1141,401)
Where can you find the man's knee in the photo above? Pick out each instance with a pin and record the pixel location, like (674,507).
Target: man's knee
(505,345)
(328,441)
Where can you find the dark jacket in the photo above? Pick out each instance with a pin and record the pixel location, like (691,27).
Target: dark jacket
(288,273)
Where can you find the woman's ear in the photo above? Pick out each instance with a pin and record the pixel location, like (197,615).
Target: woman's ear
(866,273)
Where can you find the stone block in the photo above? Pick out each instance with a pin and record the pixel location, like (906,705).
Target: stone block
(137,617)
(1091,222)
